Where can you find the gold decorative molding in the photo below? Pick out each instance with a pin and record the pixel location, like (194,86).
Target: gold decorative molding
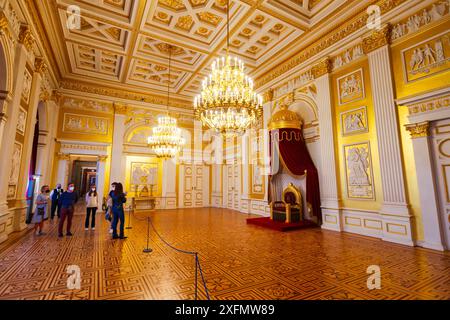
(430,105)
(346,29)
(321,68)
(40,66)
(418,130)
(44,96)
(63,156)
(377,39)
(26,37)
(102,158)
(3,117)
(124,94)
(120,108)
(268,95)
(56,97)
(4,25)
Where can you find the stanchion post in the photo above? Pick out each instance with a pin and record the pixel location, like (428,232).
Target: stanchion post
(148,250)
(196,277)
(129,217)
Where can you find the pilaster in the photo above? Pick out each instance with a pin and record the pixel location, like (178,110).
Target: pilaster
(331,214)
(101,170)
(395,212)
(427,189)
(117,173)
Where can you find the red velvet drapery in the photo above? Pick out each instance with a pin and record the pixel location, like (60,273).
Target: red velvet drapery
(291,147)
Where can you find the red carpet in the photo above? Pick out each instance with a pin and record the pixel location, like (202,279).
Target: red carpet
(280,226)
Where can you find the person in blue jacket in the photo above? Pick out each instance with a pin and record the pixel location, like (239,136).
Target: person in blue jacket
(118,198)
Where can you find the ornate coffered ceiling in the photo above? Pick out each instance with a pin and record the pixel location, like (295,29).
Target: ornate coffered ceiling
(123,44)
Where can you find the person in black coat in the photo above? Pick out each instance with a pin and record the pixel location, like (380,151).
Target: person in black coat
(54,197)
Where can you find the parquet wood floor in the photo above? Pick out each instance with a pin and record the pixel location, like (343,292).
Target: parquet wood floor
(240,261)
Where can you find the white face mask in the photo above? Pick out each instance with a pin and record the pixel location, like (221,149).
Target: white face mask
(71,188)
(113,188)
(93,189)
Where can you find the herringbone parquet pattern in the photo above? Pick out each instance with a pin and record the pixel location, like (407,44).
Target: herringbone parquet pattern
(239,261)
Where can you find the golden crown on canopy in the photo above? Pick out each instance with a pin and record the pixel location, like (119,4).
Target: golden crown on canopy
(285,118)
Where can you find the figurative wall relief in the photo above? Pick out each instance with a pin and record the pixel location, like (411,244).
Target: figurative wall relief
(358,167)
(22,121)
(26,86)
(351,87)
(354,121)
(15,170)
(427,58)
(86,125)
(144,175)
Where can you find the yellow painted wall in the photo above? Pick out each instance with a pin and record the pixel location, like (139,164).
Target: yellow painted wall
(369,136)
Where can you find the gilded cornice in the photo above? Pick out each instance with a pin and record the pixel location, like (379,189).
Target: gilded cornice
(40,66)
(26,37)
(124,94)
(418,130)
(321,68)
(342,32)
(430,105)
(377,39)
(120,108)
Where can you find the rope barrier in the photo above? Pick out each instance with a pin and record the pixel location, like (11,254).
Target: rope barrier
(198,267)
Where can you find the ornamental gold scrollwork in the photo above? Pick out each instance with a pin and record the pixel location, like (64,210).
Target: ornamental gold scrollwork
(418,130)
(40,66)
(63,156)
(120,108)
(26,37)
(321,68)
(377,39)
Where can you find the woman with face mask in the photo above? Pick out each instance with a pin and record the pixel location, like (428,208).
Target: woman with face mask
(41,210)
(67,203)
(91,207)
(118,199)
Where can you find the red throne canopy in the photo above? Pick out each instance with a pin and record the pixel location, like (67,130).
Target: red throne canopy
(288,149)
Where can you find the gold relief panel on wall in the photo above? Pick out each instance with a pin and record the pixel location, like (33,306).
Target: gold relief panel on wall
(143,177)
(15,170)
(351,87)
(358,170)
(26,91)
(85,125)
(354,121)
(427,58)
(22,121)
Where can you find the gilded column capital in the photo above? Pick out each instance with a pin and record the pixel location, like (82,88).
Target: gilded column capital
(120,108)
(40,66)
(44,96)
(26,37)
(63,156)
(377,39)
(102,158)
(4,25)
(268,95)
(418,130)
(321,68)
(56,96)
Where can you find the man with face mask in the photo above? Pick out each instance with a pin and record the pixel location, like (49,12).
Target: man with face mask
(54,197)
(67,203)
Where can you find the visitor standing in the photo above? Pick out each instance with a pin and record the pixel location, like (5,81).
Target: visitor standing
(66,202)
(41,210)
(54,196)
(91,207)
(118,199)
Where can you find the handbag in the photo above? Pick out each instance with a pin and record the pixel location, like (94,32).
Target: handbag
(40,211)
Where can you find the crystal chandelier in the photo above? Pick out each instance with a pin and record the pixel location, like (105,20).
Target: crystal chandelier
(227,102)
(166,140)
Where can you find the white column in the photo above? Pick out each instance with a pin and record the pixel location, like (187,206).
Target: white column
(117,173)
(5,99)
(169,181)
(331,215)
(428,193)
(101,164)
(394,211)
(29,135)
(7,145)
(245,162)
(63,170)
